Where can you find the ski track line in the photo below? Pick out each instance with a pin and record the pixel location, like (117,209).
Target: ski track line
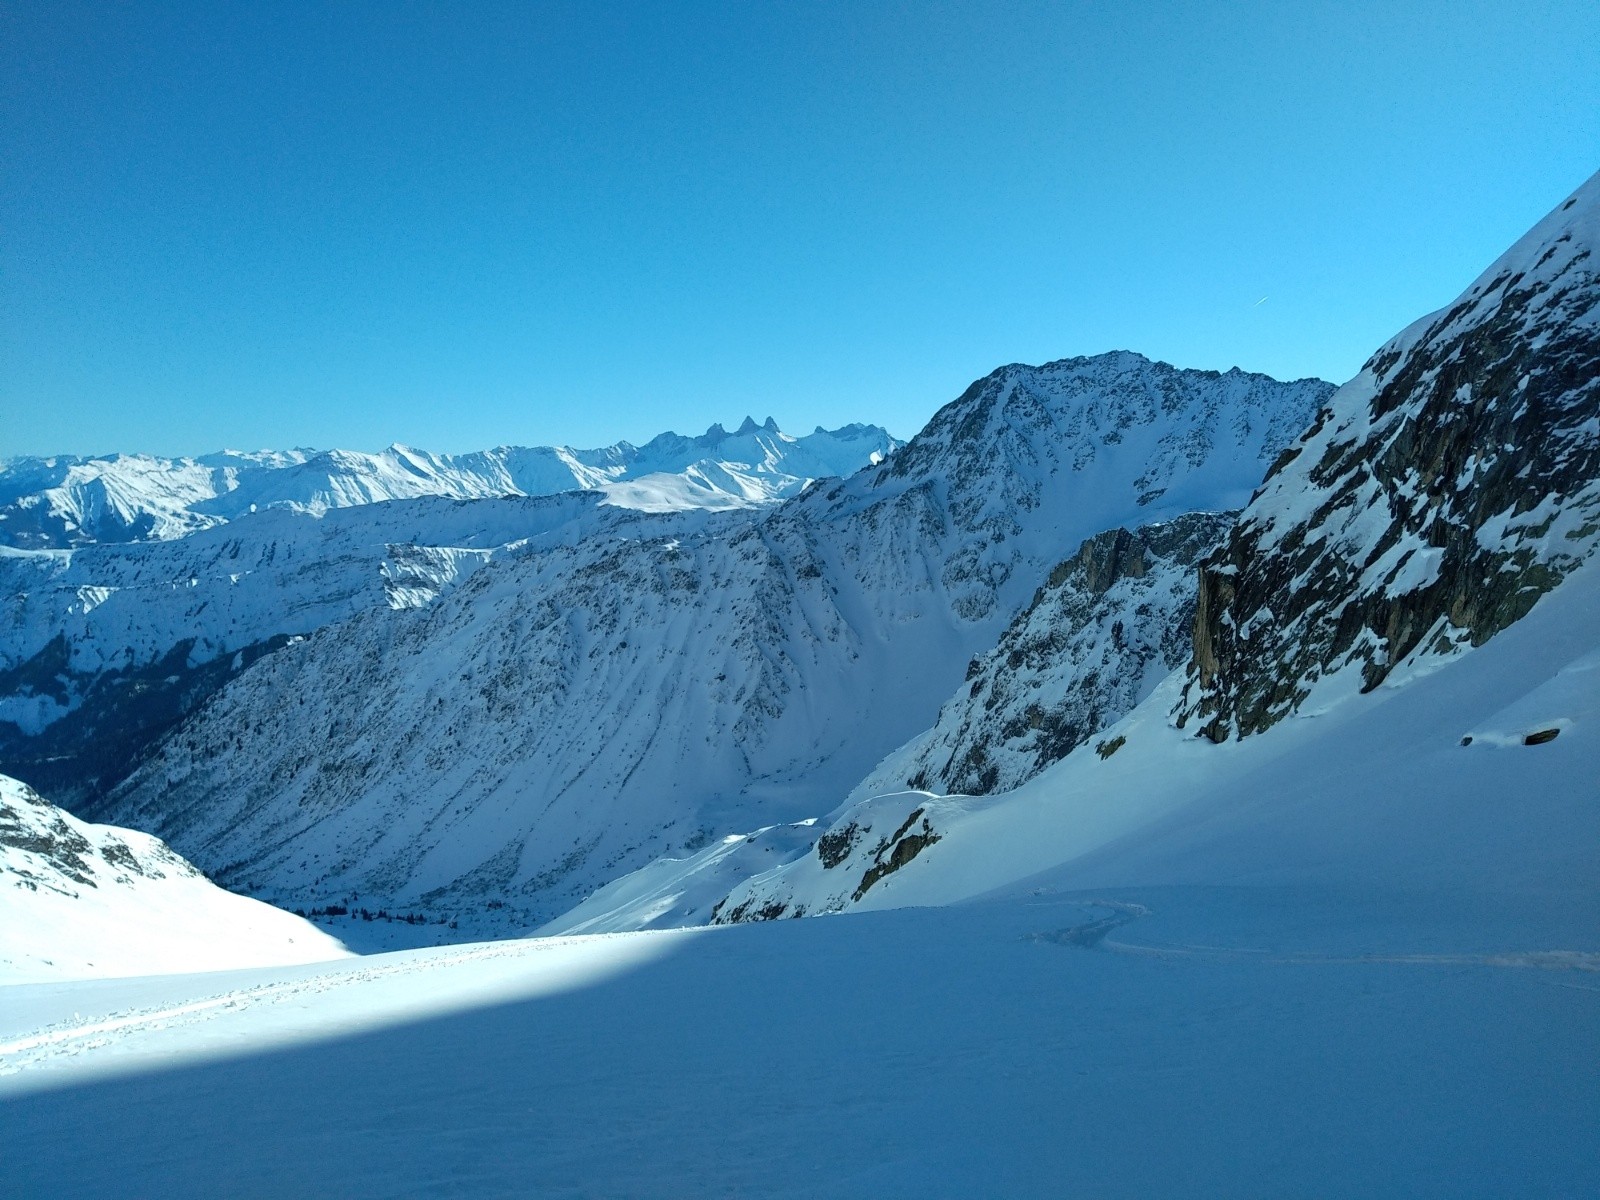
(1093,935)
(1544,960)
(68,1038)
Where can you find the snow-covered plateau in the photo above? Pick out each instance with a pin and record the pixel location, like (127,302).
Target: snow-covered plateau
(1189,783)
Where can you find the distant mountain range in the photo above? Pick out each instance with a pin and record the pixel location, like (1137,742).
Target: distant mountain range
(66,501)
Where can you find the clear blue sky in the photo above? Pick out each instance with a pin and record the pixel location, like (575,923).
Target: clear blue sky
(462,225)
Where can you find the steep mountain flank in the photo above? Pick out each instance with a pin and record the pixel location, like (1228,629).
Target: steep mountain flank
(1447,487)
(564,716)
(1106,627)
(104,648)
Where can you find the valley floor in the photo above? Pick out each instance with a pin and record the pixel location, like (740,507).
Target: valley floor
(1175,1041)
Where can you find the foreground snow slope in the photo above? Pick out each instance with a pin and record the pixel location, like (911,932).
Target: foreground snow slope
(562,717)
(70,501)
(1353,958)
(83,900)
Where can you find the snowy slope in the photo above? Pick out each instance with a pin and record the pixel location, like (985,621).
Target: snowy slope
(1424,783)
(67,501)
(563,717)
(85,901)
(1349,958)
(1376,563)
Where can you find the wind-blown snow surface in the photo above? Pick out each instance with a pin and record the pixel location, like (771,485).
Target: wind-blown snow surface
(562,717)
(1351,958)
(68,501)
(84,901)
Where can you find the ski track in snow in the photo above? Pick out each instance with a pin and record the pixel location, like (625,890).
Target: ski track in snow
(65,1039)
(1093,935)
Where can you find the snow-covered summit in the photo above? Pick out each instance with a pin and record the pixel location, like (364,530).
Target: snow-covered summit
(66,501)
(1436,498)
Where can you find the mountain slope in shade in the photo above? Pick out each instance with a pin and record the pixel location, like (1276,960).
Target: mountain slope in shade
(86,900)
(1446,488)
(562,717)
(69,501)
(1106,626)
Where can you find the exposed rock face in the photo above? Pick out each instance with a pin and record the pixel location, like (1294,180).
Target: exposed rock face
(1444,489)
(1107,625)
(42,848)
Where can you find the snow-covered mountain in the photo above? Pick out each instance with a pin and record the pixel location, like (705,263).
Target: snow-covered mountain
(568,713)
(90,900)
(69,501)
(1350,951)
(1435,499)
(104,648)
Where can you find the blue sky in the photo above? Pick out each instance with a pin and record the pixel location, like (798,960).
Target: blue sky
(458,226)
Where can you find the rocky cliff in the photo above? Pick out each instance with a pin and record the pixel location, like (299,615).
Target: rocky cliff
(1442,491)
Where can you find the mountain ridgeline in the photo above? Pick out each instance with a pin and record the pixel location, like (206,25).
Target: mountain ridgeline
(492,706)
(65,501)
(580,705)
(181,573)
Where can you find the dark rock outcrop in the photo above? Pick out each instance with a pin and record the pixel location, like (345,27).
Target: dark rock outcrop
(1105,627)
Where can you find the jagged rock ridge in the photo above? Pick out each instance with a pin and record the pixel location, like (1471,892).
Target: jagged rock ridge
(1106,627)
